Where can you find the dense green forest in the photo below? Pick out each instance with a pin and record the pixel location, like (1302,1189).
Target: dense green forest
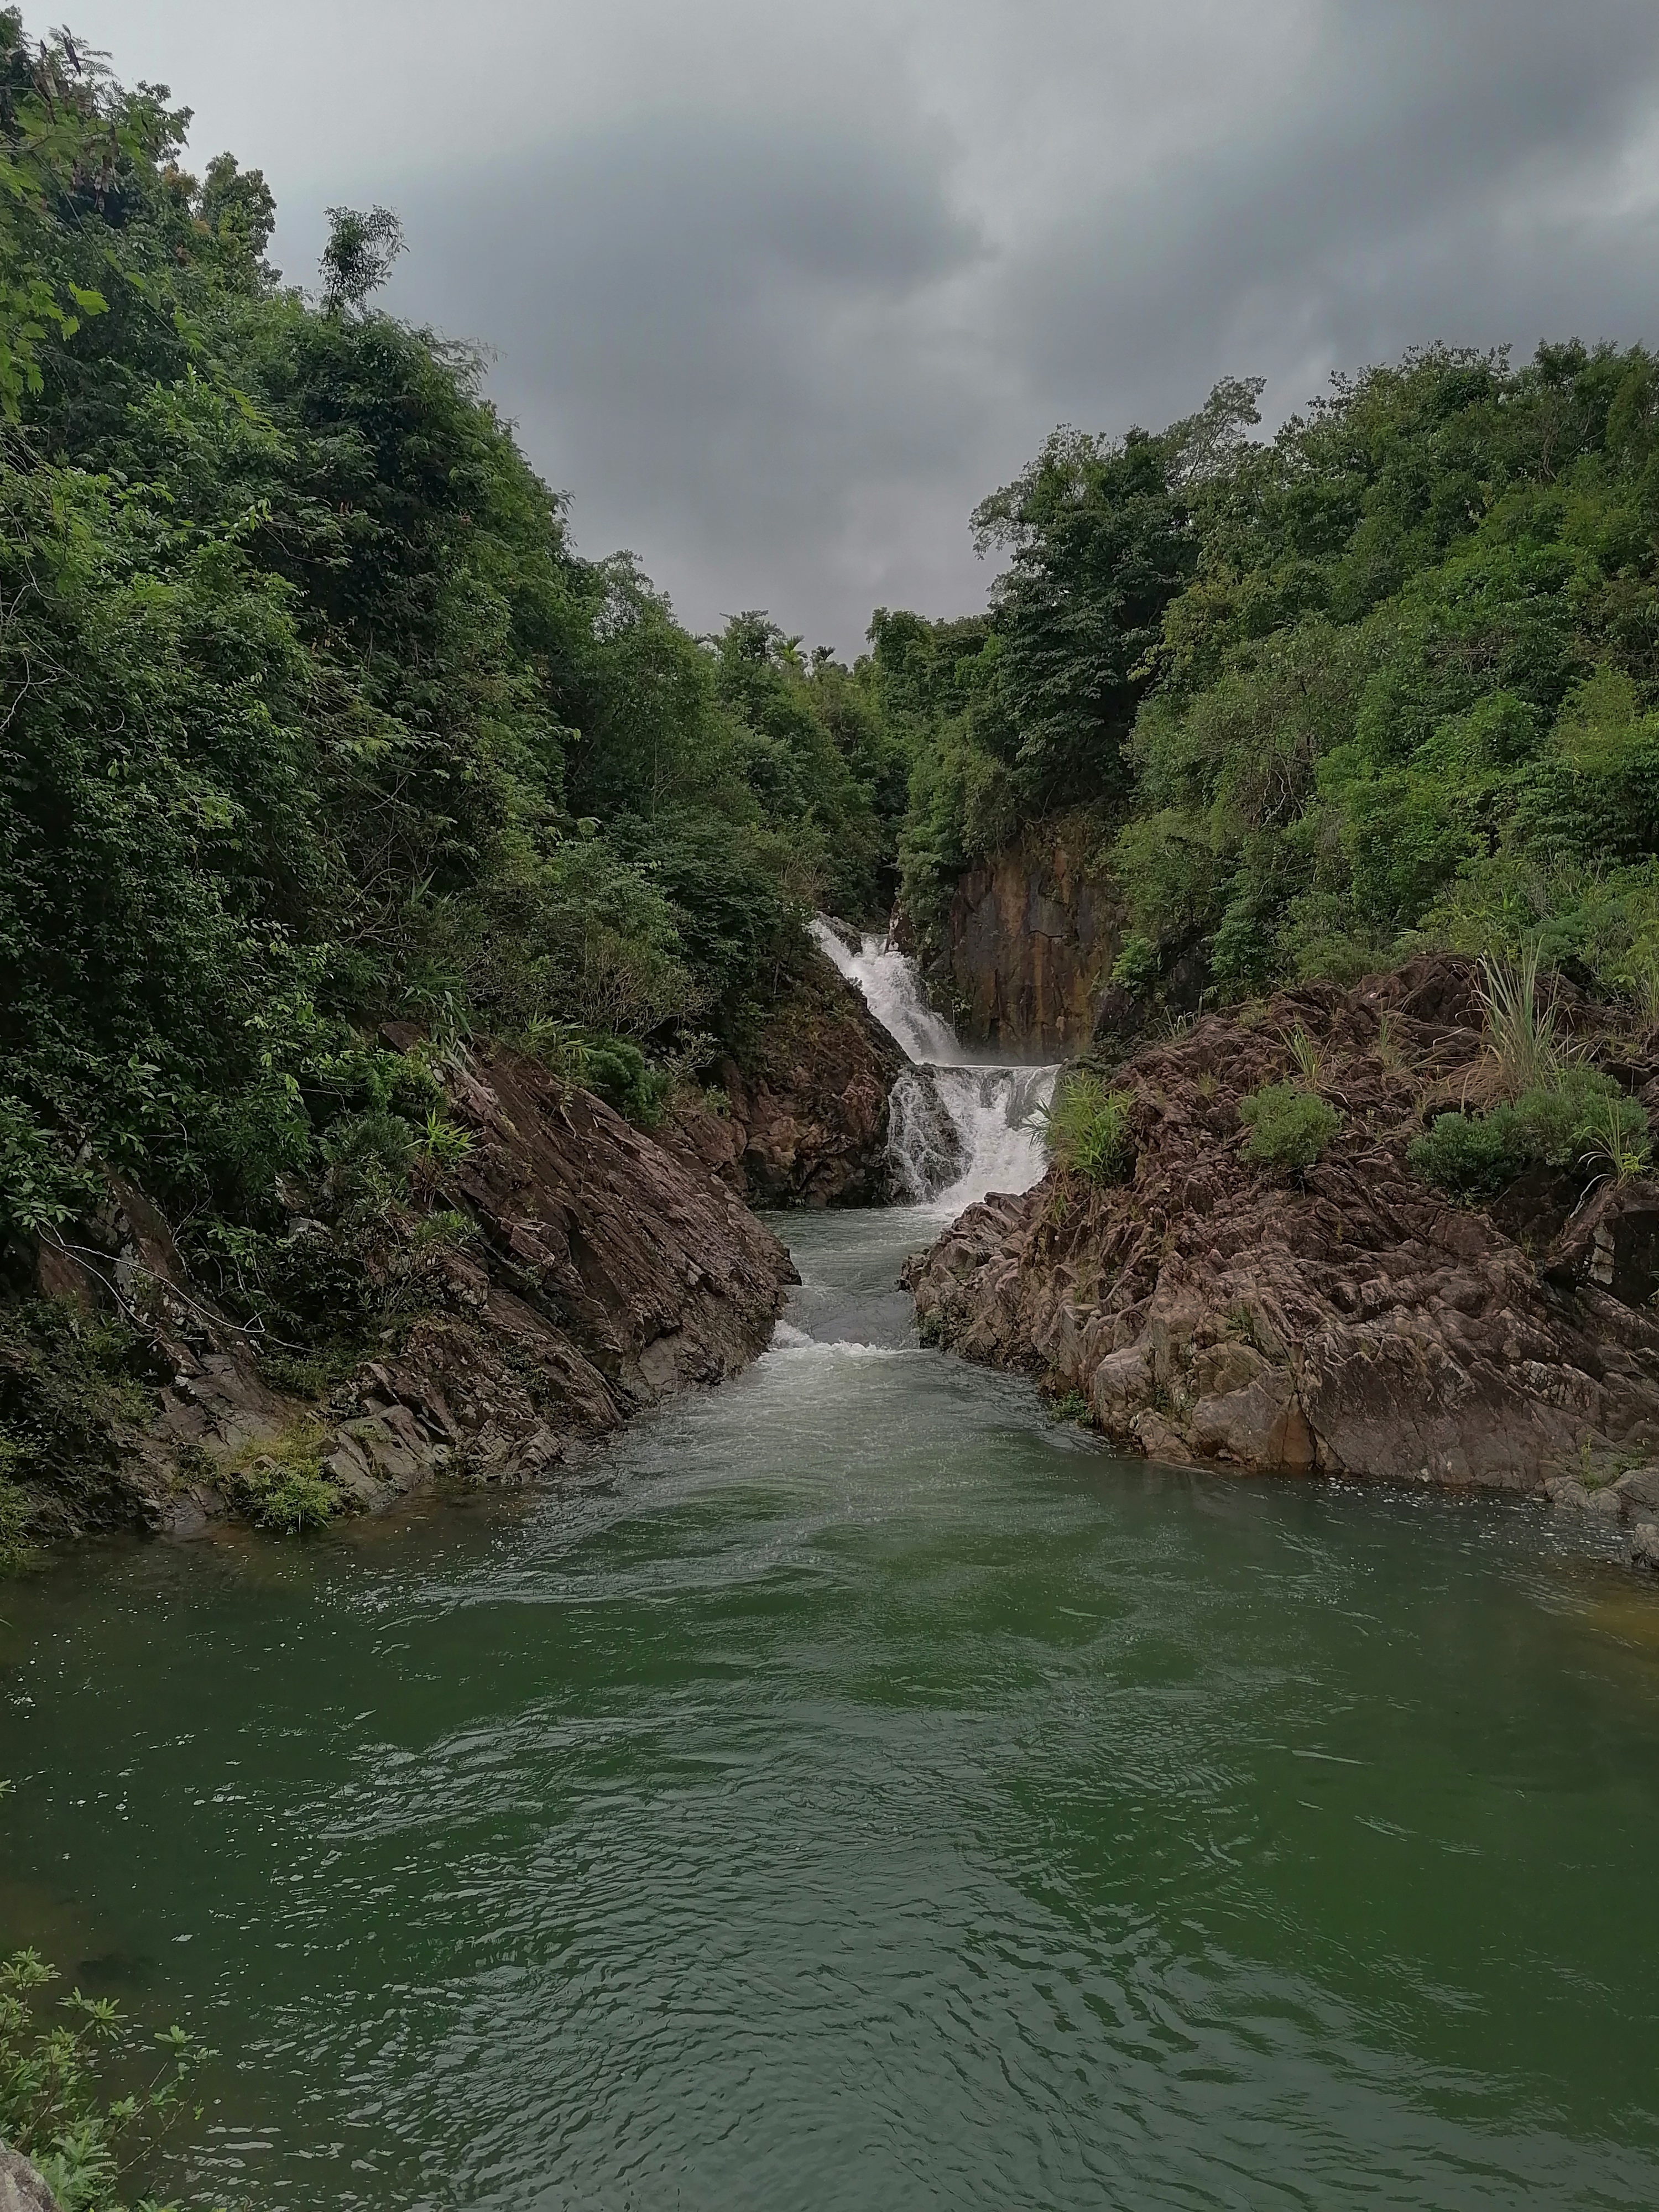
(312,714)
(1385,679)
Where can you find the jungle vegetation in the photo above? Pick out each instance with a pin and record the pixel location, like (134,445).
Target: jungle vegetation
(1386,679)
(312,715)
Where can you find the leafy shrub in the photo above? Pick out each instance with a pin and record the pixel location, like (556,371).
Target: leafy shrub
(1471,1156)
(39,1187)
(283,1485)
(1289,1126)
(1087,1130)
(1579,1118)
(1136,965)
(52,2107)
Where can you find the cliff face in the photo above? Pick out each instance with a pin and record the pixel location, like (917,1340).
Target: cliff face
(1032,937)
(805,1116)
(602,1272)
(1356,1321)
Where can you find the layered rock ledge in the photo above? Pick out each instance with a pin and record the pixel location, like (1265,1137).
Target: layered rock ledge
(1352,1321)
(600,1271)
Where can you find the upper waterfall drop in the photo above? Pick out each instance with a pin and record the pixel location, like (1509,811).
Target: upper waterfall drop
(959,1125)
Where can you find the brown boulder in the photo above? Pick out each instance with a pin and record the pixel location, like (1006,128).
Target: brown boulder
(805,1112)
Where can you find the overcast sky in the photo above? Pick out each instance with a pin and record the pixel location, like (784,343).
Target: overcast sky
(777,290)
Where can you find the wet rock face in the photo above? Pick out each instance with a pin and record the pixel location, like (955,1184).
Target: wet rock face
(1031,942)
(1353,1320)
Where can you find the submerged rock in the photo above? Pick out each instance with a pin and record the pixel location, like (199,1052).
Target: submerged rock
(1352,1321)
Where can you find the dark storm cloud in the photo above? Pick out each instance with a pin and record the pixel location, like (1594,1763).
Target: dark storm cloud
(779,292)
(717,332)
(1444,172)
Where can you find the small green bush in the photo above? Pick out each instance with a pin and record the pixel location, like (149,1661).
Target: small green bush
(1087,1130)
(1469,1155)
(283,1488)
(1580,1117)
(1289,1126)
(1136,965)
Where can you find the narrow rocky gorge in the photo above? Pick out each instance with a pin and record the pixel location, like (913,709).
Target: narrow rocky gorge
(1352,1321)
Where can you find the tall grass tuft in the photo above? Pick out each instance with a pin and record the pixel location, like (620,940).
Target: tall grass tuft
(1087,1128)
(1526,1046)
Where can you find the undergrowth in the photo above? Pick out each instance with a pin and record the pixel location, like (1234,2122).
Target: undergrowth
(281,1484)
(56,2062)
(1289,1126)
(1581,1118)
(1087,1128)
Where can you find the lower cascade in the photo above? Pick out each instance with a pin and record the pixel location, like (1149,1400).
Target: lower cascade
(959,1127)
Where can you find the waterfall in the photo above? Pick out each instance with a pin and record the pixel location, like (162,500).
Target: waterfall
(959,1124)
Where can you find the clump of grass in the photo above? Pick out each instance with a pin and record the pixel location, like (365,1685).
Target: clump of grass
(1306,1054)
(1208,1083)
(1386,1048)
(1614,1142)
(1289,1126)
(282,1486)
(1087,1128)
(1526,1046)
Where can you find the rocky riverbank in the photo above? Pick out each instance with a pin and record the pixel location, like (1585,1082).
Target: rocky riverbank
(1351,1320)
(565,1272)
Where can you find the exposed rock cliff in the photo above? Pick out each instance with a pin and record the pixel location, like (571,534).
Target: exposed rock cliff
(1357,1322)
(602,1272)
(1031,938)
(805,1121)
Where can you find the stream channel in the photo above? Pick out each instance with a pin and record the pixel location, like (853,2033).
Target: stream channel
(859,1791)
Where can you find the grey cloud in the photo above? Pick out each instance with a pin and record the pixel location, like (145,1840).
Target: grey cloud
(715,335)
(780,338)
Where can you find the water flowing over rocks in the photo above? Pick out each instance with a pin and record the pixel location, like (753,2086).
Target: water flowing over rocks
(1355,1321)
(958,1124)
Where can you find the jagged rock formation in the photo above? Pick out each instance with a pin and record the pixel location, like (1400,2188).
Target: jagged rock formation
(804,1119)
(22,2188)
(1031,938)
(604,1272)
(1355,1322)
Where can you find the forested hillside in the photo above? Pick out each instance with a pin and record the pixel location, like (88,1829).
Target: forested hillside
(311,714)
(1388,677)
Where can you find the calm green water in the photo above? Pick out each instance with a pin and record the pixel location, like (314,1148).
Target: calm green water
(863,1795)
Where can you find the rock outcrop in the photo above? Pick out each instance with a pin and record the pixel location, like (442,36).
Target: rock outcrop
(805,1115)
(599,1271)
(22,2188)
(1031,938)
(1352,1321)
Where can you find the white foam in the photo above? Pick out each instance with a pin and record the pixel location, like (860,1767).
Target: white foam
(959,1128)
